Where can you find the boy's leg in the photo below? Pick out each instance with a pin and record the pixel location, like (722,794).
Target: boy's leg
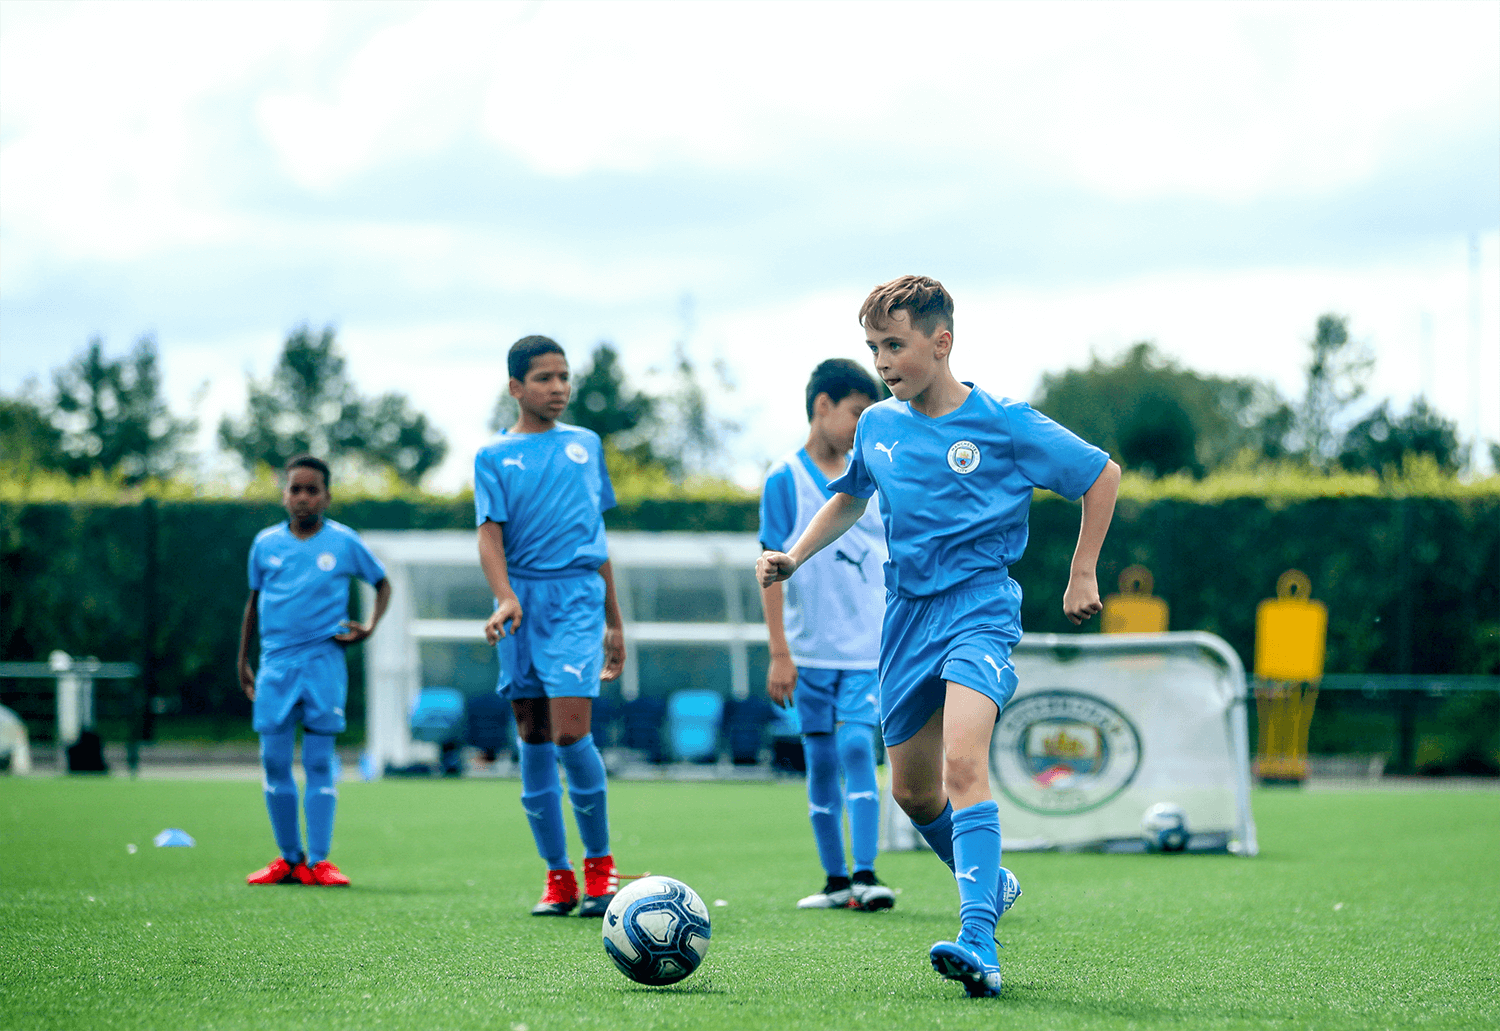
(541,798)
(324,688)
(825,804)
(858,711)
(587,780)
(588,792)
(281,792)
(968,719)
(815,699)
(321,764)
(856,743)
(541,788)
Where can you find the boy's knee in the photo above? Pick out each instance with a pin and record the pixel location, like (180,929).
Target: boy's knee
(534,735)
(961,775)
(278,768)
(856,744)
(564,738)
(923,803)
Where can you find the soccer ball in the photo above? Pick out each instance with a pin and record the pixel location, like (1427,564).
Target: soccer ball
(1165,828)
(656,931)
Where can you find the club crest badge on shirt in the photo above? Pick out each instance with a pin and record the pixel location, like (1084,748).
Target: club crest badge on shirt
(577,452)
(963,457)
(326,561)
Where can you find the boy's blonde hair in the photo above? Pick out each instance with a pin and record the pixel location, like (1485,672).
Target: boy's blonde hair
(923,298)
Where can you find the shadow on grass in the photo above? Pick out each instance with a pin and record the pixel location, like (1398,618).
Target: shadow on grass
(702,986)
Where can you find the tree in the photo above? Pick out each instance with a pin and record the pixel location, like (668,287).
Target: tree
(309,405)
(390,433)
(1336,378)
(113,417)
(28,440)
(1381,442)
(604,403)
(689,439)
(1156,416)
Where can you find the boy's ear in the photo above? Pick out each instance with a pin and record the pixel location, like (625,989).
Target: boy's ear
(822,404)
(516,387)
(942,343)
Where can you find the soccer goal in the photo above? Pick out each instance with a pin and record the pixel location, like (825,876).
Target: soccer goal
(1103,727)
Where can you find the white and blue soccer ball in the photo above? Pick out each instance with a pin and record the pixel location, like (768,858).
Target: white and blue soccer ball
(656,931)
(1164,827)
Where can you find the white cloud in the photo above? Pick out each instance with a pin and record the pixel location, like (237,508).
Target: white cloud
(201,154)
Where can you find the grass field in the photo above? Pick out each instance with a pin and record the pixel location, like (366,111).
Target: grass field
(1365,910)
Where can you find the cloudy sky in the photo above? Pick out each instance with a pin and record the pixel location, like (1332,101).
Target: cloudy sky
(436,180)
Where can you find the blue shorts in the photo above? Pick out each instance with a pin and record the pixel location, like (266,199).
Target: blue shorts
(558,650)
(827,697)
(307,684)
(964,635)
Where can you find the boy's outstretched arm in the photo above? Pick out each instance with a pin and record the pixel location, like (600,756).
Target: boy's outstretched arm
(248,626)
(614,627)
(354,631)
(497,573)
(832,521)
(1081,599)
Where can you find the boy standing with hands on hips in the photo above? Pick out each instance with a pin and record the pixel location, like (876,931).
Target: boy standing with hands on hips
(955,468)
(299,605)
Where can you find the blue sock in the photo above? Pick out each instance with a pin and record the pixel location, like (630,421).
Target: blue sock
(856,744)
(976,857)
(281,793)
(321,764)
(541,798)
(939,834)
(586,790)
(825,804)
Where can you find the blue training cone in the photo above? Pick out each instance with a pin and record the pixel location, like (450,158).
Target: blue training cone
(172,837)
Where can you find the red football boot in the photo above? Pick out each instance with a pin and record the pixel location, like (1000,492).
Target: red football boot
(600,882)
(326,874)
(561,894)
(279,871)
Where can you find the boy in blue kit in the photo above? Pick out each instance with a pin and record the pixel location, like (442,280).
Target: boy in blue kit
(299,603)
(540,491)
(955,468)
(825,638)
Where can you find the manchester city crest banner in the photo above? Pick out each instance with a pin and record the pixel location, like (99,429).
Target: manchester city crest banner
(1106,728)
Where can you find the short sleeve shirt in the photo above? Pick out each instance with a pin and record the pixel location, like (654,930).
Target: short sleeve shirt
(955,491)
(304,584)
(550,491)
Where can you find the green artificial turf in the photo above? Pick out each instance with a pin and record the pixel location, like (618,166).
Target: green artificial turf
(1364,910)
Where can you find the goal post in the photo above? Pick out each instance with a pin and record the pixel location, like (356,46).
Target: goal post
(1102,727)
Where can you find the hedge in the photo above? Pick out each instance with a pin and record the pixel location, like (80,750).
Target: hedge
(1410,581)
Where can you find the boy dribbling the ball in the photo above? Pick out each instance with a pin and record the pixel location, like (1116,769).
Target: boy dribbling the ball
(955,469)
(540,493)
(825,639)
(299,603)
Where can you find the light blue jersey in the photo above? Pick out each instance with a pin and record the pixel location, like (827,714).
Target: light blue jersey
(304,584)
(832,611)
(955,491)
(550,491)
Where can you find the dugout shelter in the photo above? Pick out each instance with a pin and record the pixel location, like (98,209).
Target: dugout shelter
(690,604)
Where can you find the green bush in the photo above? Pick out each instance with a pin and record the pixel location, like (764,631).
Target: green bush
(1406,567)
